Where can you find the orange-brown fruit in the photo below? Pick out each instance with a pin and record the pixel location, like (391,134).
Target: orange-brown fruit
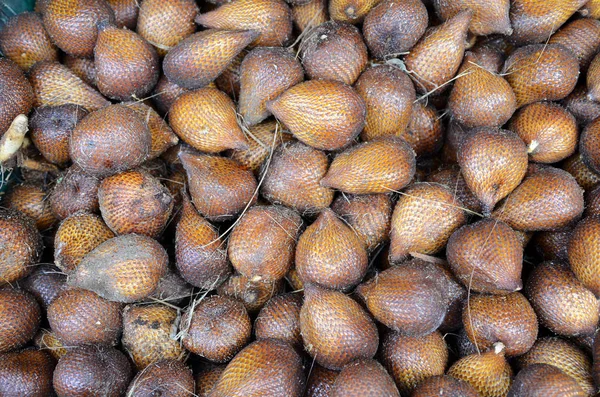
(535,21)
(330,254)
(410,360)
(563,355)
(453,180)
(424,218)
(164,23)
(562,302)
(487,256)
(149,334)
(589,145)
(309,15)
(31,200)
(126,13)
(335,329)
(47,340)
(92,370)
(488,372)
(326,115)
(270,18)
(206,120)
(199,252)
(293,178)
(73,24)
(424,133)
(202,57)
(368,215)
(541,72)
(26,373)
(135,202)
(392,27)
(593,203)
(334,51)
(20,316)
(17,96)
(488,17)
(320,381)
(593,80)
(110,140)
(411,298)
(581,37)
(584,252)
(549,131)
(435,59)
(262,244)
(207,379)
(591,9)
(24,41)
(253,294)
(54,85)
(280,319)
(457,294)
(585,177)
(583,108)
(493,162)
(220,187)
(552,245)
(265,73)
(261,138)
(167,377)
(80,317)
(21,246)
(389,95)
(165,93)
(126,65)
(351,11)
(382,165)
(162,136)
(123,269)
(364,377)
(480,97)
(543,380)
(508,319)
(265,367)
(45,283)
(84,68)
(453,140)
(548,199)
(445,386)
(74,191)
(216,328)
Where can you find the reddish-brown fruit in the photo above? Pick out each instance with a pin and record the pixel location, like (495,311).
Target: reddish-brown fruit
(73,24)
(199,251)
(171,288)
(311,14)
(453,140)
(80,317)
(126,13)
(593,203)
(265,367)
(364,377)
(593,80)
(168,377)
(457,294)
(280,319)
(589,145)
(585,177)
(32,201)
(561,302)
(26,373)
(488,372)
(92,370)
(351,11)
(563,355)
(552,245)
(83,68)
(411,360)
(207,379)
(424,133)
(543,380)
(480,98)
(324,114)
(165,93)
(270,18)
(446,386)
(261,138)
(488,17)
(162,136)
(535,21)
(20,316)
(220,187)
(265,73)
(392,28)
(435,59)
(149,334)
(581,37)
(549,131)
(540,72)
(453,180)
(330,254)
(21,246)
(16,97)
(262,244)
(320,381)
(293,178)
(24,41)
(74,191)
(45,283)
(229,80)
(487,256)
(202,57)
(206,120)
(123,269)
(493,162)
(253,294)
(584,109)
(165,23)
(548,199)
(423,220)
(335,329)
(584,252)
(334,51)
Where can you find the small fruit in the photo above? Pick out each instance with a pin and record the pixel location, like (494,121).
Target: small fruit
(582,37)
(45,284)
(320,381)
(126,13)
(309,15)
(31,200)
(585,177)
(253,294)
(20,315)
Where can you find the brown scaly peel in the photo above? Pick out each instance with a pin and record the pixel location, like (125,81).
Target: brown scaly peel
(350,11)
(165,93)
(488,17)
(74,191)
(253,294)
(585,177)
(170,377)
(425,133)
(126,13)
(17,96)
(22,246)
(584,109)
(31,200)
(162,136)
(453,180)
(207,379)
(26,372)
(83,68)
(320,381)
(552,245)
(280,319)
(582,37)
(45,283)
(444,385)
(593,80)
(364,377)
(309,15)
(21,316)
(544,380)
(592,201)
(584,252)
(229,80)
(589,146)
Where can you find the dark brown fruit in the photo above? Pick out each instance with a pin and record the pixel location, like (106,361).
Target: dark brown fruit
(21,246)
(45,283)
(165,93)
(265,367)
(585,177)
(446,386)
(280,319)
(17,96)
(261,138)
(26,373)
(411,360)
(162,136)
(320,381)
(20,316)
(488,17)
(92,370)
(364,377)
(392,28)
(350,11)
(593,80)
(553,245)
(126,13)
(543,380)
(229,80)
(581,37)
(167,378)
(589,145)
(74,191)
(83,68)
(149,334)
(171,288)
(253,294)
(424,133)
(24,41)
(32,201)
(584,109)
(330,254)
(584,252)
(311,14)
(453,180)
(592,201)
(207,379)
(123,269)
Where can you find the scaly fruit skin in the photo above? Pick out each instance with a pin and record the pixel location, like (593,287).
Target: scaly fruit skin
(16,94)
(45,284)
(162,136)
(207,379)
(351,11)
(539,380)
(280,319)
(585,177)
(26,373)
(83,68)
(320,381)
(253,294)
(582,37)
(593,80)
(425,133)
(488,17)
(453,180)
(168,377)
(74,191)
(583,108)
(21,316)
(589,146)
(446,386)
(309,15)
(362,378)
(584,252)
(22,246)
(31,200)
(126,13)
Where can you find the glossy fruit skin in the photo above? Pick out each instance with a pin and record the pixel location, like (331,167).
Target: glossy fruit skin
(22,246)
(584,109)
(83,68)
(21,316)
(26,373)
(16,97)
(539,380)
(320,381)
(583,251)
(364,377)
